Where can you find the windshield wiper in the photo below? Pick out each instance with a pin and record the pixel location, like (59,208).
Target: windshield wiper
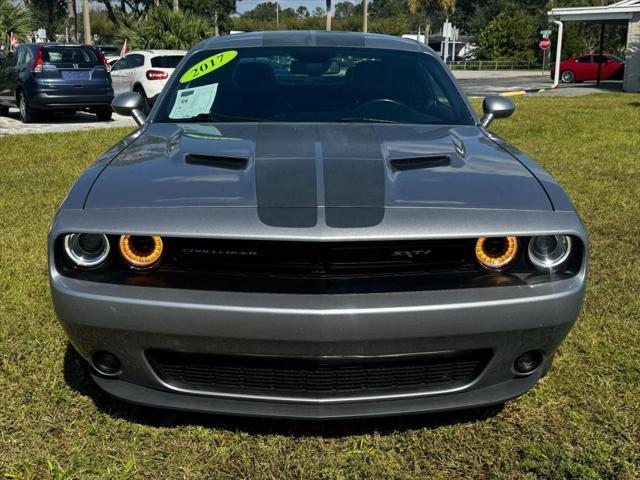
(218,117)
(365,119)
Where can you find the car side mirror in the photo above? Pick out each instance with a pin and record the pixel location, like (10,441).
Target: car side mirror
(495,106)
(129,104)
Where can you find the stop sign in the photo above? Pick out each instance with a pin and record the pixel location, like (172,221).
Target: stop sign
(545,43)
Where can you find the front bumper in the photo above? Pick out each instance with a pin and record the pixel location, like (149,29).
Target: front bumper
(128,321)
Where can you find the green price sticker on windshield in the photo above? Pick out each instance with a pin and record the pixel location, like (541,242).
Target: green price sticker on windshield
(208,65)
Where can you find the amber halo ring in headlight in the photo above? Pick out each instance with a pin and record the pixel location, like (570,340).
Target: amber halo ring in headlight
(141,251)
(87,250)
(547,252)
(496,253)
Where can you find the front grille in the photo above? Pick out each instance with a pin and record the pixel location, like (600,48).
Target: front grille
(317,378)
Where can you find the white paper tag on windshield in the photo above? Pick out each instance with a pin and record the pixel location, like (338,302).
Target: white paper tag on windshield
(191,102)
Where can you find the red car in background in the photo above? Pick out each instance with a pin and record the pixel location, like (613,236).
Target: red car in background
(585,67)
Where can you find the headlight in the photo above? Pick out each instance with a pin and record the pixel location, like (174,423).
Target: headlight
(549,251)
(141,251)
(496,253)
(86,250)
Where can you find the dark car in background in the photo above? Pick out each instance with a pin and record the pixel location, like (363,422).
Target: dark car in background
(55,77)
(585,67)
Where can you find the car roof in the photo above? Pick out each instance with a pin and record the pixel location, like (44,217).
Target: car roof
(312,38)
(159,52)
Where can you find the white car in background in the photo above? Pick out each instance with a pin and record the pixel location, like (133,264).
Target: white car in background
(145,72)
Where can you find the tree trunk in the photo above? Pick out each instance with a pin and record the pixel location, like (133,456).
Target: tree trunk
(329,12)
(71,21)
(86,23)
(365,15)
(427,31)
(216,30)
(176,6)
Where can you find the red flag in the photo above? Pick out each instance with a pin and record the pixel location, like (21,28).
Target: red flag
(125,49)
(13,41)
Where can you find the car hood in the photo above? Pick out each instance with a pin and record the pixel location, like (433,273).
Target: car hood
(300,167)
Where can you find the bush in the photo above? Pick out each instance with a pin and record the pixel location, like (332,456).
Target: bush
(511,36)
(164,29)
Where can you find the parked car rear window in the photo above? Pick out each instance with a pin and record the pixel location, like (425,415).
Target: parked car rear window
(167,61)
(314,84)
(75,54)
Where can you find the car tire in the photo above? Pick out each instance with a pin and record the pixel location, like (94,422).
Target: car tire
(567,76)
(104,115)
(146,106)
(4,110)
(27,115)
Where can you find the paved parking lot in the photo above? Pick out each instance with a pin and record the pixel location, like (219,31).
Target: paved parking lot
(10,125)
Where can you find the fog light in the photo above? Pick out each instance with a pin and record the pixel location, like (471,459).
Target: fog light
(86,250)
(547,252)
(141,251)
(527,362)
(496,253)
(106,363)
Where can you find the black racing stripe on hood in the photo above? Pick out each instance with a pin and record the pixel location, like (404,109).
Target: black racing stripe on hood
(354,176)
(285,170)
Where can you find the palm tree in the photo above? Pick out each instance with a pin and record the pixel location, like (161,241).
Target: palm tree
(328,15)
(72,21)
(16,19)
(429,6)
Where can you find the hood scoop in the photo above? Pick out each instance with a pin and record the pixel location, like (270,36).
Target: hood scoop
(218,161)
(415,163)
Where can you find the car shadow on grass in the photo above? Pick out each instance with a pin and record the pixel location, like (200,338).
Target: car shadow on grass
(78,378)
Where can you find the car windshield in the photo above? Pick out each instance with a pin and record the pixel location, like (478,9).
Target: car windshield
(75,54)
(166,61)
(313,84)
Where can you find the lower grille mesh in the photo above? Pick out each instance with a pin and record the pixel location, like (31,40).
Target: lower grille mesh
(316,378)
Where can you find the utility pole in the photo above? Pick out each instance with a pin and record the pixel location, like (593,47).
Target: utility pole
(365,15)
(277,16)
(328,15)
(86,22)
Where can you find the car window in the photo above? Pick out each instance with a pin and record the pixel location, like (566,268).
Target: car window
(135,60)
(585,59)
(21,54)
(28,56)
(166,61)
(600,59)
(76,54)
(314,84)
(120,64)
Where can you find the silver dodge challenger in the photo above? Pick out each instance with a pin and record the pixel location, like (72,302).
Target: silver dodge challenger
(316,225)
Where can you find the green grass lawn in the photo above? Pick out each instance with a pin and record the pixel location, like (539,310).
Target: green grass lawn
(581,421)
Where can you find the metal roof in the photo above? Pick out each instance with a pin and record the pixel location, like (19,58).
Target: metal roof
(620,11)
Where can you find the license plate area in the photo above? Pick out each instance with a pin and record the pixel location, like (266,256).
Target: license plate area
(75,75)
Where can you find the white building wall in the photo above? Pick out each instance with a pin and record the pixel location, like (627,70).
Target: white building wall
(632,68)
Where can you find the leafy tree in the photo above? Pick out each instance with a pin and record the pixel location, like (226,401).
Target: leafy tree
(14,18)
(219,11)
(318,12)
(102,27)
(344,9)
(427,9)
(387,8)
(48,13)
(510,36)
(302,12)
(163,28)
